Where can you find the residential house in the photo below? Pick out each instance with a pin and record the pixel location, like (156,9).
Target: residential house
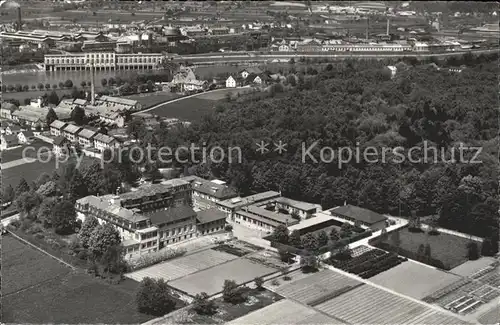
(86,138)
(8,141)
(56,127)
(103,142)
(251,70)
(7,109)
(25,136)
(31,118)
(210,221)
(60,146)
(231,82)
(13,130)
(70,132)
(186,80)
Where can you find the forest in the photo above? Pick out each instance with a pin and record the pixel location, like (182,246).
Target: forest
(357,102)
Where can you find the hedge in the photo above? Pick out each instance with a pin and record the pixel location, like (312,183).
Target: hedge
(414,256)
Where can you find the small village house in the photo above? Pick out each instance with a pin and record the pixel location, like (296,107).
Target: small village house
(56,127)
(25,136)
(8,141)
(60,145)
(70,132)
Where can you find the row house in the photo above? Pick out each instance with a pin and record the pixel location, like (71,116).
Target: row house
(70,132)
(103,142)
(60,146)
(86,138)
(56,127)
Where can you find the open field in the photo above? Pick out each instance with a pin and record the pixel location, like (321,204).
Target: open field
(194,108)
(211,280)
(52,295)
(470,267)
(151,99)
(256,300)
(284,312)
(414,280)
(317,287)
(369,305)
(183,266)
(449,249)
(16,277)
(491,317)
(14,154)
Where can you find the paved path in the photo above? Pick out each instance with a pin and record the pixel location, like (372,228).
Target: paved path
(17,162)
(181,98)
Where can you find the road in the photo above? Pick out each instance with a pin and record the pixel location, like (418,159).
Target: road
(7,221)
(181,98)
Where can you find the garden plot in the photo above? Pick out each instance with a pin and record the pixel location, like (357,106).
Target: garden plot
(212,280)
(284,312)
(182,266)
(471,267)
(369,305)
(237,247)
(318,287)
(267,258)
(414,280)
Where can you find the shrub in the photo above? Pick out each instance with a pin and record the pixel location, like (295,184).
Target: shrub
(82,255)
(155,257)
(39,236)
(35,229)
(202,305)
(228,227)
(258,283)
(232,293)
(15,224)
(25,224)
(472,251)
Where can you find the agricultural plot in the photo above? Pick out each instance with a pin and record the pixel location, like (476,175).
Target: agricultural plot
(471,267)
(414,280)
(182,266)
(449,249)
(16,276)
(488,275)
(463,296)
(211,280)
(492,316)
(189,109)
(318,287)
(284,312)
(368,264)
(369,305)
(38,289)
(151,99)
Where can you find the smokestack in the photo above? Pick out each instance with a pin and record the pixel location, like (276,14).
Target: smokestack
(92,84)
(367,26)
(388,24)
(19,20)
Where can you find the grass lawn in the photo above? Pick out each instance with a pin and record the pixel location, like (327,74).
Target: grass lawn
(55,294)
(211,280)
(414,280)
(17,153)
(226,311)
(15,277)
(189,109)
(449,249)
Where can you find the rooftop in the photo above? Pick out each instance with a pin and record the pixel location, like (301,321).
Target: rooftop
(239,201)
(204,186)
(86,133)
(59,140)
(103,138)
(107,204)
(171,214)
(304,206)
(275,216)
(70,128)
(358,213)
(209,215)
(58,124)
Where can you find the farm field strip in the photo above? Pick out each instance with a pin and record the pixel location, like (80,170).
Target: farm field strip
(239,270)
(370,305)
(15,276)
(182,266)
(316,286)
(414,280)
(284,312)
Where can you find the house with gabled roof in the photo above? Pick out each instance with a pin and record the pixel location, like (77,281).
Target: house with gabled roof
(25,136)
(60,146)
(250,70)
(103,142)
(56,127)
(8,141)
(70,131)
(86,137)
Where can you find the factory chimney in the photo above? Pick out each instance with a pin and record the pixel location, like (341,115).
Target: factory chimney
(19,20)
(367,27)
(388,26)
(92,84)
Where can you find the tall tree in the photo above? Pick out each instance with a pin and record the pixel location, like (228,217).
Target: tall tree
(51,116)
(22,187)
(78,115)
(77,187)
(8,194)
(309,242)
(103,237)
(64,217)
(280,234)
(52,98)
(154,297)
(232,293)
(87,229)
(202,304)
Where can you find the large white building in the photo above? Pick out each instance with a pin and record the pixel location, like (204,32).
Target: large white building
(102,61)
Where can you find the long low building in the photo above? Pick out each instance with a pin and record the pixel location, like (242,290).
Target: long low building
(102,61)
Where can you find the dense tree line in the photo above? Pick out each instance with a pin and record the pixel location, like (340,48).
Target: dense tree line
(358,104)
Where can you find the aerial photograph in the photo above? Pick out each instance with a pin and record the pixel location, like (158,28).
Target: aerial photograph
(250,162)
